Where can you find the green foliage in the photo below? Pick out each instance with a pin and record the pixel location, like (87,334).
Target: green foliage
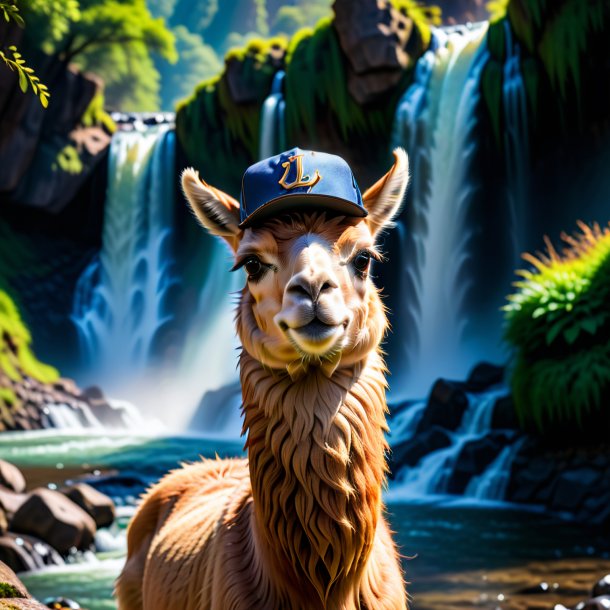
(559,323)
(26,75)
(16,356)
(197,62)
(68,160)
(111,38)
(497,10)
(13,59)
(96,115)
(423,16)
(197,16)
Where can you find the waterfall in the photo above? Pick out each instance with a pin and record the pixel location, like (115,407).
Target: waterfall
(435,121)
(433,473)
(516,143)
(120,298)
(272,132)
(124,299)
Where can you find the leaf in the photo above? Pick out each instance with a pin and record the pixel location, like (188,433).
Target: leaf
(23,81)
(571,334)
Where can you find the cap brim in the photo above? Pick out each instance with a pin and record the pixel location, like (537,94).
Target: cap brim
(303,203)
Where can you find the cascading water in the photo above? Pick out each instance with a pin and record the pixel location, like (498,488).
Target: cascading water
(272,133)
(123,301)
(516,145)
(120,299)
(435,122)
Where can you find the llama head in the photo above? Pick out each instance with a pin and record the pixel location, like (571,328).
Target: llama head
(308,299)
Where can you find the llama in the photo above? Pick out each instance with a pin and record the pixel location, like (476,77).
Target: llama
(299,524)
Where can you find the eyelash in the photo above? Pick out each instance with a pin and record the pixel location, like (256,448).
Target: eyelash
(253,258)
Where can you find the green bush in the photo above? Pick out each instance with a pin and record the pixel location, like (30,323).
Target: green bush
(558,321)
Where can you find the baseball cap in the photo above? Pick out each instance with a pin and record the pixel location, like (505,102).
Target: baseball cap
(298,180)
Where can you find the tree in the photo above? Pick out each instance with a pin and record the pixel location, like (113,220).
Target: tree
(114,39)
(197,62)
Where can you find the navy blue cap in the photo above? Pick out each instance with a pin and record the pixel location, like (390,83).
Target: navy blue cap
(298,180)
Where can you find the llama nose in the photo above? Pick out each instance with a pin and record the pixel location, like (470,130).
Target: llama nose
(310,286)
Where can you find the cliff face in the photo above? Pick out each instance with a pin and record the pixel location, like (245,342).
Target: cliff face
(46,155)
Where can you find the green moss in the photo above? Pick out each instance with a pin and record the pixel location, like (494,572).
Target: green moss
(423,17)
(9,591)
(16,356)
(559,323)
(96,115)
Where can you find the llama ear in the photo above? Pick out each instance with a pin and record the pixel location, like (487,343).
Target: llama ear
(383,200)
(215,210)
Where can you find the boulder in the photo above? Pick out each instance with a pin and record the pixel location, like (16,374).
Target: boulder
(23,553)
(446,405)
(96,504)
(483,376)
(10,501)
(573,486)
(504,416)
(21,604)
(10,585)
(379,43)
(474,458)
(601,587)
(55,519)
(410,452)
(11,477)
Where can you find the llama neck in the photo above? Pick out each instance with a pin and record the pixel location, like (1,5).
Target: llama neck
(316,451)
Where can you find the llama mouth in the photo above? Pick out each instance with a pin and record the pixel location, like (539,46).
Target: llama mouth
(316,337)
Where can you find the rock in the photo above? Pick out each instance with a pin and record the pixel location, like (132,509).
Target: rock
(474,458)
(446,405)
(23,553)
(572,487)
(10,585)
(483,376)
(410,452)
(11,501)
(601,587)
(11,477)
(379,43)
(504,416)
(61,603)
(595,603)
(21,604)
(55,519)
(93,502)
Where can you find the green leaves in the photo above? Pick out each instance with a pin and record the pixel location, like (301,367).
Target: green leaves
(11,12)
(558,321)
(26,75)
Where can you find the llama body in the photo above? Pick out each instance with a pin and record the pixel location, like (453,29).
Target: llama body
(299,524)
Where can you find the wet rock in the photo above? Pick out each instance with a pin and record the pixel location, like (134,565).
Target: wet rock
(20,604)
(474,458)
(601,587)
(539,589)
(102,410)
(572,487)
(55,519)
(595,603)
(504,416)
(11,477)
(410,452)
(23,553)
(483,376)
(61,603)
(93,502)
(10,585)
(446,405)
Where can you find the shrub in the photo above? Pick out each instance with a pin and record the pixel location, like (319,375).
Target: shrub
(558,321)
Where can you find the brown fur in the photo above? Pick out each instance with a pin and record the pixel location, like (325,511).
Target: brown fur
(299,524)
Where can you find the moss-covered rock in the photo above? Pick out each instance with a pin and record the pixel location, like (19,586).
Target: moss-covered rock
(558,321)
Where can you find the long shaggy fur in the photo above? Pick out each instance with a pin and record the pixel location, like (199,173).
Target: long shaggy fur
(299,525)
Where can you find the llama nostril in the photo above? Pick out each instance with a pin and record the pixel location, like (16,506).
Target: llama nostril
(300,290)
(327,286)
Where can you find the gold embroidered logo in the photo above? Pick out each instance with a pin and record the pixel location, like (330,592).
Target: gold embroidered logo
(300,179)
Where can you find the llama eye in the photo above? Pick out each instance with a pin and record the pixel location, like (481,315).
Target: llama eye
(254,268)
(361,263)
